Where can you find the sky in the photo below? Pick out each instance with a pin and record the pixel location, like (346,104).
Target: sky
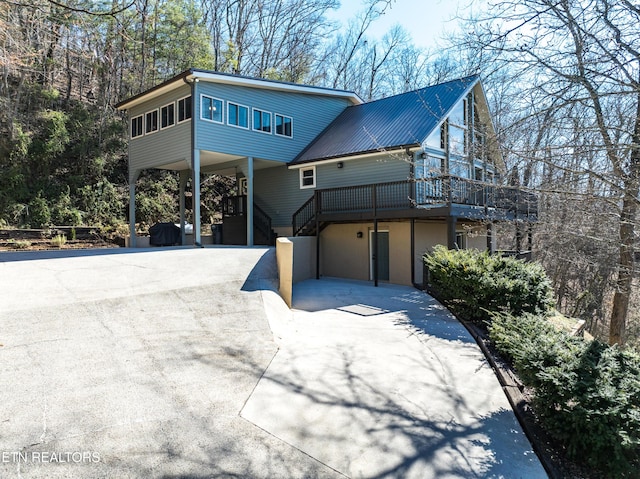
(425,20)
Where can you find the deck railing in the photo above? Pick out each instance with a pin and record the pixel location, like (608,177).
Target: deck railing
(419,193)
(237,206)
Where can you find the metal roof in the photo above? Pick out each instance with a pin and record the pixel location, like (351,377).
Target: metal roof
(395,122)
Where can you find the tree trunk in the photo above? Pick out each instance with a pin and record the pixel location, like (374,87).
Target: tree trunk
(626,263)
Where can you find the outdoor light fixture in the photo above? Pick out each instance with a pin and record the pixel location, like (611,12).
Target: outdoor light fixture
(359,234)
(340,164)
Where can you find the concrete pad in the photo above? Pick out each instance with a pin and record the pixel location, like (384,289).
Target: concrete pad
(384,382)
(136,364)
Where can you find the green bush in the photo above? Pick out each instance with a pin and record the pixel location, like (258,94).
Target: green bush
(475,283)
(586,393)
(39,212)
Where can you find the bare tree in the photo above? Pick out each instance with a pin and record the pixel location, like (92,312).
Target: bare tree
(578,63)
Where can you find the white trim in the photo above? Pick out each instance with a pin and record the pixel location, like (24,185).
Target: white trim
(178,120)
(271,122)
(274,85)
(355,156)
(239,106)
(141,116)
(211,120)
(175,116)
(275,125)
(301,177)
(150,112)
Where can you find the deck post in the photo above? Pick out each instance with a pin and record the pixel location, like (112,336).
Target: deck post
(375,252)
(413,250)
(249,208)
(451,232)
(316,199)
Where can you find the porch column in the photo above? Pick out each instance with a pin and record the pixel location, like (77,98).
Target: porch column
(451,232)
(250,201)
(133,177)
(184,177)
(195,186)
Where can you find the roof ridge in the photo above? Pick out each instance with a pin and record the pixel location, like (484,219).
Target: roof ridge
(461,79)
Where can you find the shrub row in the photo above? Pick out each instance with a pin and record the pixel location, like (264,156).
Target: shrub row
(474,283)
(587,394)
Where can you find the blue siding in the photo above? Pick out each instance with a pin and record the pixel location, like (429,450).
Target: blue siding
(311,115)
(278,190)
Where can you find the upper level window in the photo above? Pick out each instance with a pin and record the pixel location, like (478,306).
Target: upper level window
(151,121)
(211,109)
(308,177)
(437,139)
(136,126)
(168,115)
(284,125)
(237,115)
(184,109)
(261,120)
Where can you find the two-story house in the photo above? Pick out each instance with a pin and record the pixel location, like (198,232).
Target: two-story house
(377,183)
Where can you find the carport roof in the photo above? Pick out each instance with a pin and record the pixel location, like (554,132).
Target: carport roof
(392,123)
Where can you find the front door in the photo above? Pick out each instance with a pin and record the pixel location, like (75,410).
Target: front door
(383,255)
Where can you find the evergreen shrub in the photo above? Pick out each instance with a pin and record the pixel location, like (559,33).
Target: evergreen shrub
(474,283)
(586,393)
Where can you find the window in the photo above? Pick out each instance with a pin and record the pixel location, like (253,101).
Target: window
(136,126)
(211,109)
(151,122)
(308,177)
(237,115)
(461,240)
(168,115)
(261,120)
(184,109)
(457,140)
(284,125)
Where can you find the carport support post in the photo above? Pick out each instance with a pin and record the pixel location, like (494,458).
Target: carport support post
(184,177)
(250,201)
(195,186)
(375,252)
(133,177)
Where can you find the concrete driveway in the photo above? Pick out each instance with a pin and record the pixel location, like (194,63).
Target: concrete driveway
(179,363)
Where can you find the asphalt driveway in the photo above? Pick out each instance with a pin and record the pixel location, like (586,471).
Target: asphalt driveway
(179,363)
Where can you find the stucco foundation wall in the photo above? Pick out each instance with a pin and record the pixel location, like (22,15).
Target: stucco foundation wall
(344,255)
(428,235)
(304,257)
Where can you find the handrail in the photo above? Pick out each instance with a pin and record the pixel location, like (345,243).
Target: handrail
(421,193)
(237,206)
(304,215)
(262,221)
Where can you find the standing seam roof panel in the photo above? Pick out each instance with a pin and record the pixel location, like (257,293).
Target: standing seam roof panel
(401,120)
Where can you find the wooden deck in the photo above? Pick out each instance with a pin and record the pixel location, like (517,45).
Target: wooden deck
(437,197)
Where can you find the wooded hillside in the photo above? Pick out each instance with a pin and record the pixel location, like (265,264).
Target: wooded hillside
(562,80)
